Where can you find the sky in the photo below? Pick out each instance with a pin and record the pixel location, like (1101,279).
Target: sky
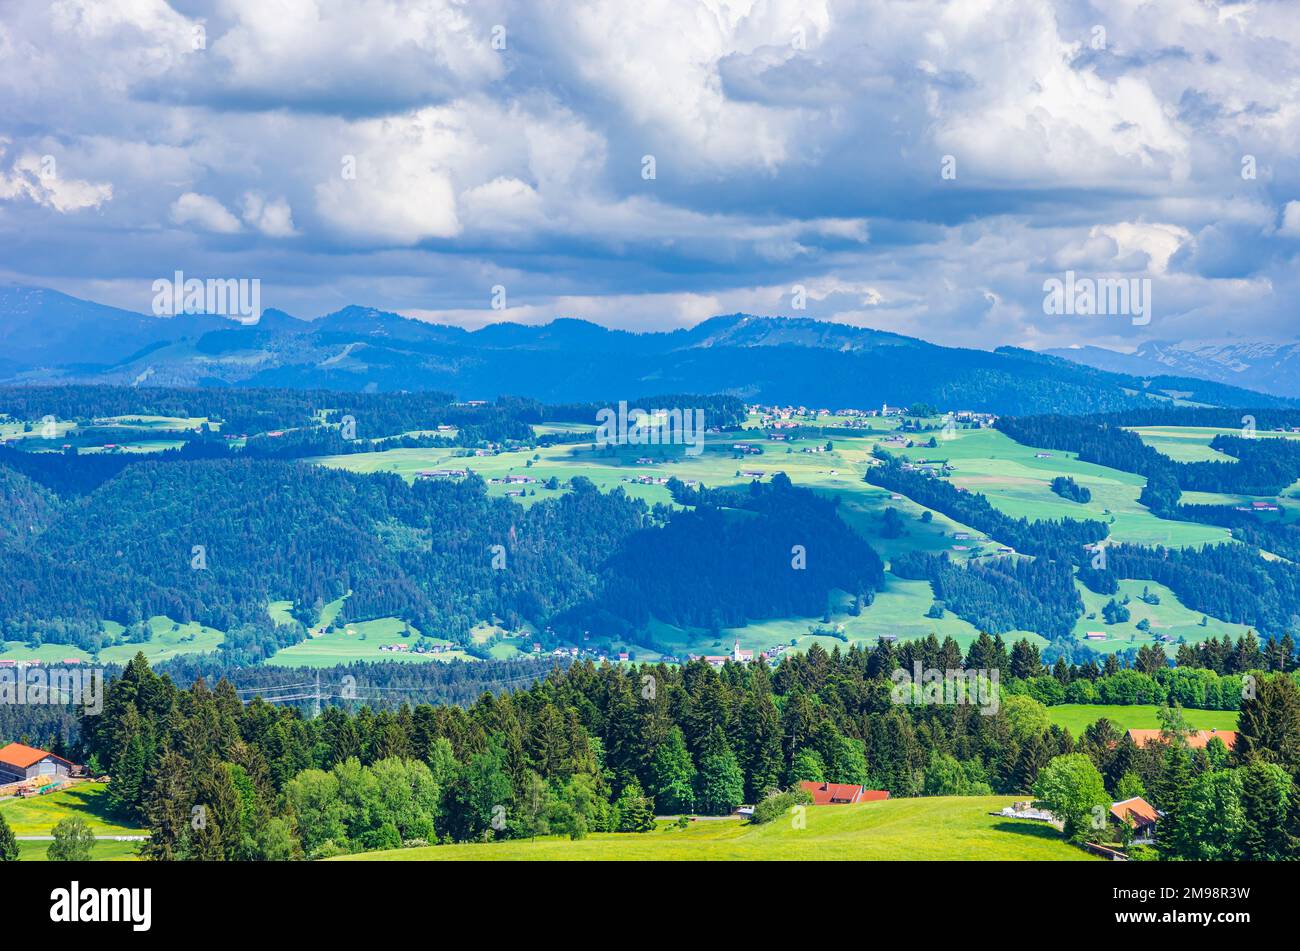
(907,165)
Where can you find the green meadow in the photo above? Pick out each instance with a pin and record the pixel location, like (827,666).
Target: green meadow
(898,611)
(1192,443)
(87,801)
(1017,480)
(939,828)
(105,850)
(170,639)
(144,434)
(358,641)
(1168,618)
(1077,717)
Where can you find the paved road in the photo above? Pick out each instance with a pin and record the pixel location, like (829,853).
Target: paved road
(98,838)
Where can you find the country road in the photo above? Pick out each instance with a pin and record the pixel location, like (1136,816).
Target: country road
(98,838)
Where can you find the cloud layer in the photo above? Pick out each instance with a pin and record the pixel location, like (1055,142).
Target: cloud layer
(916,166)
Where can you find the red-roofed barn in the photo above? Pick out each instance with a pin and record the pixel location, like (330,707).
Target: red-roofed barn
(19,762)
(841,794)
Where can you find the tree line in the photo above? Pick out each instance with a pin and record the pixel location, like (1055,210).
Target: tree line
(602,748)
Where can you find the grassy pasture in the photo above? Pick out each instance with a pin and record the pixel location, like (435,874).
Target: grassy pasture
(105,850)
(357,641)
(155,433)
(281,612)
(87,801)
(1077,717)
(940,828)
(188,638)
(898,610)
(1192,443)
(1018,482)
(1168,617)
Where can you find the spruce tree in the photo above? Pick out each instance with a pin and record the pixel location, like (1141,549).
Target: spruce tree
(1268,726)
(169,803)
(672,775)
(1265,797)
(633,810)
(8,844)
(719,783)
(761,726)
(1175,781)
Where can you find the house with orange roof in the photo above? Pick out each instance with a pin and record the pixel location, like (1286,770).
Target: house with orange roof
(19,762)
(841,794)
(1138,813)
(1197,740)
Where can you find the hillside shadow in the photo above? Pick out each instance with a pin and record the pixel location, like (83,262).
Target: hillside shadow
(1033,830)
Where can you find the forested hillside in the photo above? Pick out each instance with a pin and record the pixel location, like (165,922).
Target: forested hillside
(762,550)
(215,541)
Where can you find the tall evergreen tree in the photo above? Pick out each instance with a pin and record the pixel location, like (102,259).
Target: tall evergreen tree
(672,776)
(719,783)
(1268,726)
(8,844)
(761,726)
(1265,799)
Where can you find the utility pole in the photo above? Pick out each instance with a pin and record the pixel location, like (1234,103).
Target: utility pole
(316,706)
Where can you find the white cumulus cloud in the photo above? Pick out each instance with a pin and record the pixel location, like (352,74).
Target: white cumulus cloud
(205,212)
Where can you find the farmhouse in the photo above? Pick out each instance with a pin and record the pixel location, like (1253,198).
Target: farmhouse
(19,762)
(1197,741)
(1139,814)
(442,473)
(841,794)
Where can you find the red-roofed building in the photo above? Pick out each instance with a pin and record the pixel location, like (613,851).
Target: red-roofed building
(19,762)
(1197,741)
(1137,812)
(1140,815)
(841,794)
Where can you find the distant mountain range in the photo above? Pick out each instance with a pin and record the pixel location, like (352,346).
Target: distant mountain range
(1267,367)
(49,337)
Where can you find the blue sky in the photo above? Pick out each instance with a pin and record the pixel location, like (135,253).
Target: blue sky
(413,156)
